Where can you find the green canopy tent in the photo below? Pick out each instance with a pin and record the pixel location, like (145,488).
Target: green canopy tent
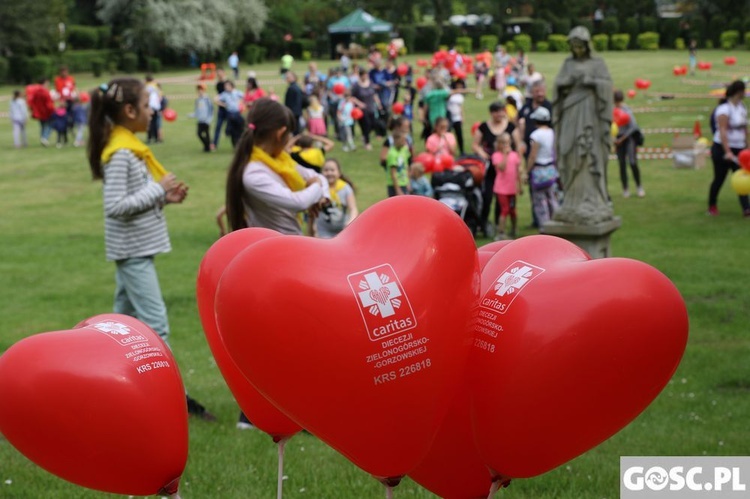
(358,21)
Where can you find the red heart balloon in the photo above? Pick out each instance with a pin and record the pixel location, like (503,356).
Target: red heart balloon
(452,468)
(101,405)
(361,339)
(571,351)
(256,407)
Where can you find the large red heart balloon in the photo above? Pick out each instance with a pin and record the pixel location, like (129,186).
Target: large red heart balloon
(256,407)
(571,351)
(452,468)
(361,339)
(101,405)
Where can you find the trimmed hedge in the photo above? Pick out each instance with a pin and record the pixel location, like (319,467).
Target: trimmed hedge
(81,61)
(679,44)
(409,34)
(41,66)
(488,42)
(522,41)
(542,46)
(648,41)
(620,41)
(558,43)
(4,68)
(97,67)
(83,37)
(105,36)
(464,44)
(600,42)
(129,62)
(729,39)
(510,46)
(254,54)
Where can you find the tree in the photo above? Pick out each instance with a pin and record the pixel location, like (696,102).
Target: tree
(29,28)
(182,25)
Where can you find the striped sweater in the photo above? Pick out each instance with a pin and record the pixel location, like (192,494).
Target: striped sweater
(134,223)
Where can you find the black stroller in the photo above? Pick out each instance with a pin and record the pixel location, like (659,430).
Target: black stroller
(460,190)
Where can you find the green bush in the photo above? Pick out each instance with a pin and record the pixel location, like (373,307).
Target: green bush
(709,44)
(426,39)
(4,68)
(97,67)
(382,47)
(522,41)
(153,64)
(105,36)
(510,46)
(648,41)
(19,69)
(41,66)
(558,43)
(561,25)
(611,25)
(129,62)
(630,26)
(620,41)
(112,67)
(488,42)
(81,61)
(600,42)
(679,44)
(729,39)
(306,55)
(83,37)
(251,54)
(409,34)
(464,45)
(542,46)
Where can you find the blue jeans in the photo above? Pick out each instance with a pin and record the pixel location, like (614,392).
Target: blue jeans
(221,117)
(137,294)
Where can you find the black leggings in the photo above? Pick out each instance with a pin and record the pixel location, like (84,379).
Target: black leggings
(487,196)
(366,123)
(626,153)
(458,131)
(722,167)
(205,136)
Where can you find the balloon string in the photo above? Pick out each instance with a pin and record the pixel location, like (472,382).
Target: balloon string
(388,492)
(494,488)
(279,487)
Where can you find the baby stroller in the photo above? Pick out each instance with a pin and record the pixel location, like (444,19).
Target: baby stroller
(460,189)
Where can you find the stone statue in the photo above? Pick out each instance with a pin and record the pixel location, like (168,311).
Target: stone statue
(582,116)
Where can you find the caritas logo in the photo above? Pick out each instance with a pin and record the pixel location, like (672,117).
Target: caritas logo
(508,285)
(382,301)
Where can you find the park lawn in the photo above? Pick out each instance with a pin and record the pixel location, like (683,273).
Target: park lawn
(53,274)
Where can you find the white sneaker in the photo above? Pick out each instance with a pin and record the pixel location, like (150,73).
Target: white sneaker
(641,192)
(626,193)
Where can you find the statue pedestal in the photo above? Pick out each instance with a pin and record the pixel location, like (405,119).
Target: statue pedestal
(593,239)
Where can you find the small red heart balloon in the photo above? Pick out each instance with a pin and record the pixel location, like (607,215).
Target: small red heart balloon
(256,407)
(101,405)
(570,350)
(357,113)
(744,159)
(169,114)
(398,108)
(361,339)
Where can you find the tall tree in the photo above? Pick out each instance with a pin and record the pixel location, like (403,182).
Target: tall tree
(183,25)
(29,28)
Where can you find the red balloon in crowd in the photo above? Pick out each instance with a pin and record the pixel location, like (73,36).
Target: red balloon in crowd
(398,107)
(443,162)
(642,84)
(460,75)
(427,160)
(367,353)
(256,407)
(677,71)
(422,63)
(744,159)
(730,60)
(475,127)
(339,88)
(402,69)
(631,93)
(569,369)
(421,82)
(101,405)
(357,113)
(169,114)
(84,96)
(620,117)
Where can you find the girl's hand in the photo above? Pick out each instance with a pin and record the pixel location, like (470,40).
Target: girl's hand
(178,194)
(729,156)
(168,182)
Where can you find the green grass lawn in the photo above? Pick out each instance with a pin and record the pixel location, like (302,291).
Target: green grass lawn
(53,274)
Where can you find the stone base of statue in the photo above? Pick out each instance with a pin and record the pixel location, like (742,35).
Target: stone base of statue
(592,238)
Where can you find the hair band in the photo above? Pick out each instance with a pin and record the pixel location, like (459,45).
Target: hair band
(251,126)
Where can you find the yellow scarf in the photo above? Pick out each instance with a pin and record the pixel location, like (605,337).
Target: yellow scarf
(340,184)
(122,138)
(283,165)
